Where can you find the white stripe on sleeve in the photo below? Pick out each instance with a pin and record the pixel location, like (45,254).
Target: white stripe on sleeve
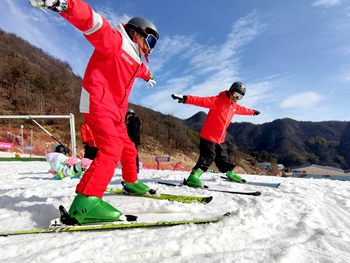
(97,23)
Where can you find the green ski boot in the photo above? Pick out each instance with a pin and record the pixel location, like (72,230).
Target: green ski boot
(91,209)
(193,179)
(234,177)
(136,188)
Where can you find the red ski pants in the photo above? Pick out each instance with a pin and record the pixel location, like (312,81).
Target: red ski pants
(114,144)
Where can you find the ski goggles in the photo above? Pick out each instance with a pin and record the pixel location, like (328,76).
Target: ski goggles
(237,94)
(151,41)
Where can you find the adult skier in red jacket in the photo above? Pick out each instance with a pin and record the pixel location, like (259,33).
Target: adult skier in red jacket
(212,145)
(108,80)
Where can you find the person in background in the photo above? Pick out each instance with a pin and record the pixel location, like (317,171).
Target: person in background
(212,147)
(90,149)
(133,126)
(62,166)
(109,76)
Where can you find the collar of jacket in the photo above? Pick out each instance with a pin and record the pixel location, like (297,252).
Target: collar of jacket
(121,29)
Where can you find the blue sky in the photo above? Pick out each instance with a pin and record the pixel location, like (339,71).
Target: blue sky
(293,56)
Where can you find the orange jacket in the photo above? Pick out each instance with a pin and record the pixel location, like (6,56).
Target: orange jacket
(86,135)
(219,116)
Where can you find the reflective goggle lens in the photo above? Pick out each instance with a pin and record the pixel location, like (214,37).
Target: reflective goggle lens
(237,95)
(151,41)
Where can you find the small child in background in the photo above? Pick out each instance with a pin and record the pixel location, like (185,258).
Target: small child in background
(63,167)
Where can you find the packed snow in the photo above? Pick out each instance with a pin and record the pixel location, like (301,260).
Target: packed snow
(303,220)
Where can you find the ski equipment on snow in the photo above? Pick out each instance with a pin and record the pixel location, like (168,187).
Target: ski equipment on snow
(272,185)
(169,197)
(60,227)
(256,193)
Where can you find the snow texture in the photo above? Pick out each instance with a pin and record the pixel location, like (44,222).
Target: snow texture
(304,220)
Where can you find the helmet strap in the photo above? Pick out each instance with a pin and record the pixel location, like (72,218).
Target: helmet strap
(144,50)
(146,57)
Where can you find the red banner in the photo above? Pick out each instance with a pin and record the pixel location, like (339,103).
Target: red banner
(6,145)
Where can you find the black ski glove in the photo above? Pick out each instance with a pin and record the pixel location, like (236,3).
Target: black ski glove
(256,113)
(85,144)
(179,97)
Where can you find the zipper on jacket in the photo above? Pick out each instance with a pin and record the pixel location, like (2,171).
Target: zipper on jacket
(127,86)
(227,120)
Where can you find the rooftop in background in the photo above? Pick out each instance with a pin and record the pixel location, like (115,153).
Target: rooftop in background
(319,169)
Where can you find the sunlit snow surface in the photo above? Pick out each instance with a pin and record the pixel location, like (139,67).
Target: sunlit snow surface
(304,220)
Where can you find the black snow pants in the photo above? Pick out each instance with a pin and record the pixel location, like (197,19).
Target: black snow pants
(210,152)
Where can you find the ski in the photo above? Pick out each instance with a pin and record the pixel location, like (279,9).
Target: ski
(272,185)
(169,197)
(255,193)
(59,227)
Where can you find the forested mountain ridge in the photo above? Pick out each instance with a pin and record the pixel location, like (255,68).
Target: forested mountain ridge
(34,82)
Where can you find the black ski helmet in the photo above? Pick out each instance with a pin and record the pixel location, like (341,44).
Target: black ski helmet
(141,26)
(238,87)
(62,149)
(129,113)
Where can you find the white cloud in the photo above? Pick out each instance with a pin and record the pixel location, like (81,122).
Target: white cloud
(111,16)
(259,94)
(344,76)
(199,69)
(301,100)
(170,48)
(221,57)
(326,3)
(273,76)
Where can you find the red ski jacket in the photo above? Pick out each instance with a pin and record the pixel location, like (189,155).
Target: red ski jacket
(113,66)
(219,116)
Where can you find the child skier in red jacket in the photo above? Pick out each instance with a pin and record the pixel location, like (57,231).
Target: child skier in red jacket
(212,147)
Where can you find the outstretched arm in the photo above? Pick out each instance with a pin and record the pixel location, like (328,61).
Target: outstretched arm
(95,28)
(205,102)
(246,111)
(180,98)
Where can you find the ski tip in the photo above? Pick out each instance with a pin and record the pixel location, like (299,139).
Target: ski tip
(131,218)
(256,193)
(207,200)
(243,181)
(152,192)
(169,184)
(227,214)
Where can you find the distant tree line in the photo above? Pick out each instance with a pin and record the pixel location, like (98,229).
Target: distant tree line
(34,82)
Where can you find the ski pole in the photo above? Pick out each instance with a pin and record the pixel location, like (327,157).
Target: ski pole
(48,133)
